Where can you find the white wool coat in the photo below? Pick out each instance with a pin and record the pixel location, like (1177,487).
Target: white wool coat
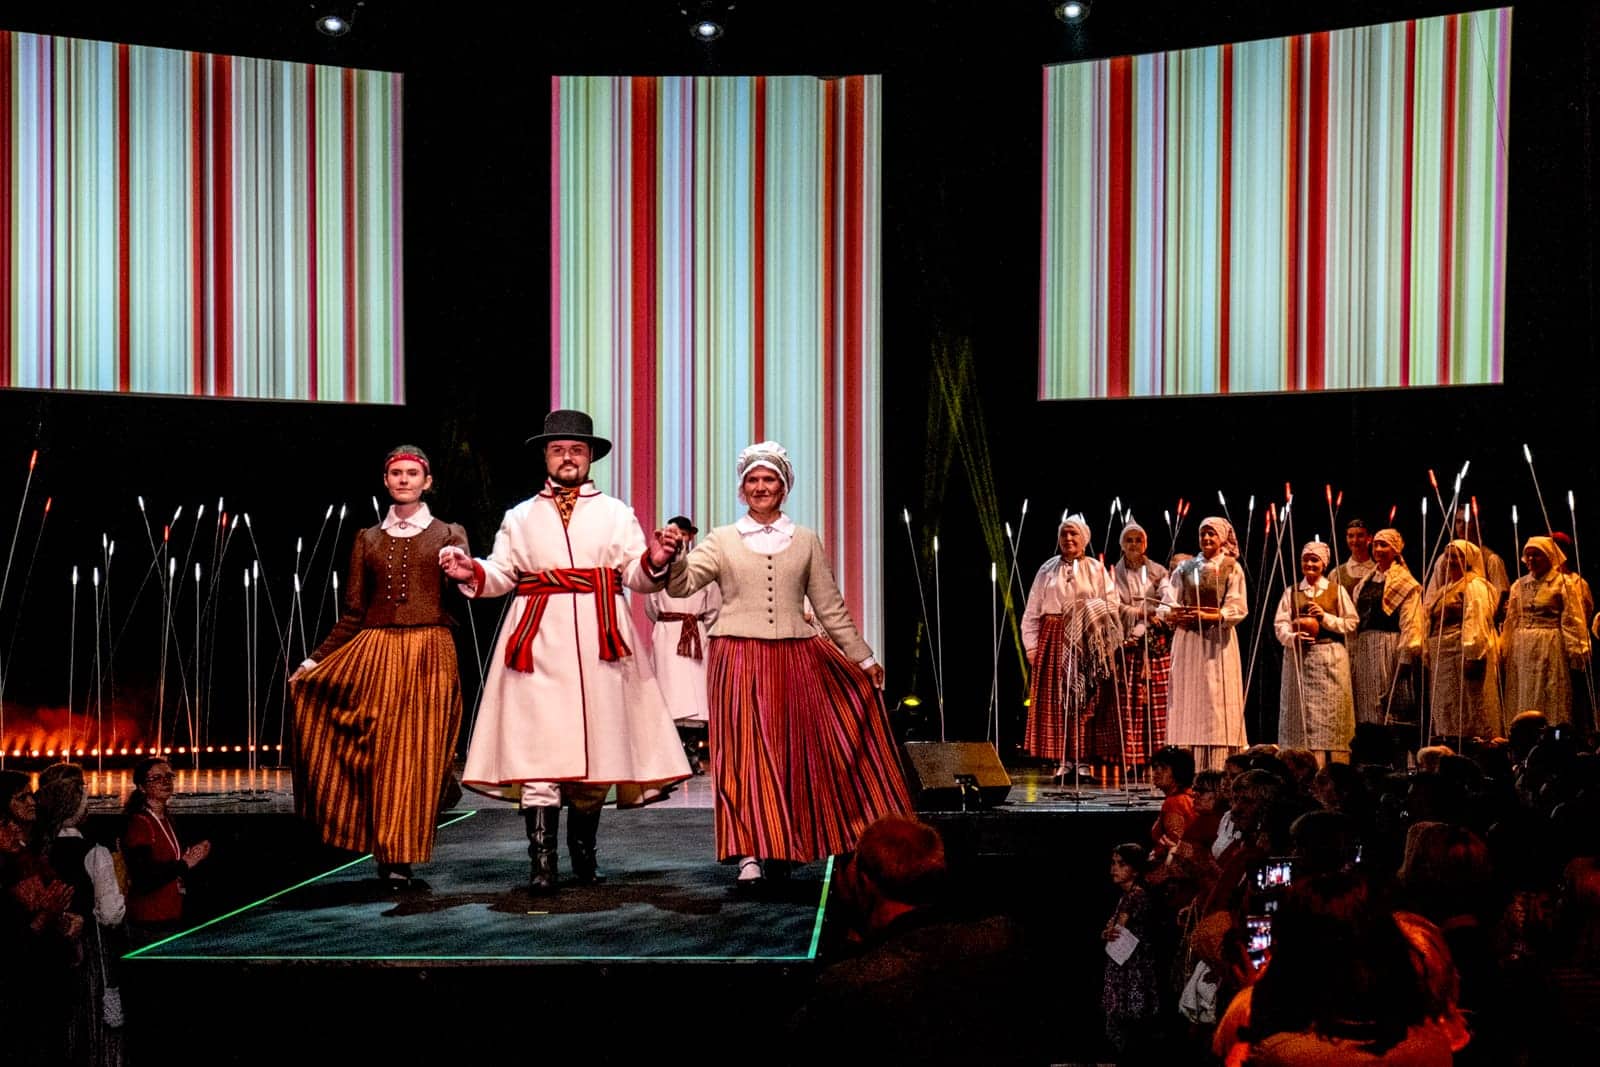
(575,717)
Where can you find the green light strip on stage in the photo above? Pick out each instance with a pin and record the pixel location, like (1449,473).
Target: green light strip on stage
(138,952)
(486,959)
(822,910)
(809,956)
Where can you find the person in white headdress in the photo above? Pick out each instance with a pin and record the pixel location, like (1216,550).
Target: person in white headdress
(1544,639)
(801,753)
(1205,601)
(1145,662)
(1071,631)
(1314,619)
(1462,647)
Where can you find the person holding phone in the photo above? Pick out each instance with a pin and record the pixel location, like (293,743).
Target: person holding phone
(1340,985)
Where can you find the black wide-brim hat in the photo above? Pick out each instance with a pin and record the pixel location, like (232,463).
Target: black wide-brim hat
(567,425)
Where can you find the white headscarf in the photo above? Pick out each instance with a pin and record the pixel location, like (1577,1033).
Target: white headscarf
(1079,523)
(768,454)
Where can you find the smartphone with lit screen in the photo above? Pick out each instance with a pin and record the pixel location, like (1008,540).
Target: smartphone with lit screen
(1258,928)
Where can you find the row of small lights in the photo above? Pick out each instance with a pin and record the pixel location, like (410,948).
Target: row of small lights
(182,750)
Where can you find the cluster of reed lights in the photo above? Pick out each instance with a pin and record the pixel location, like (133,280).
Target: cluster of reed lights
(141,750)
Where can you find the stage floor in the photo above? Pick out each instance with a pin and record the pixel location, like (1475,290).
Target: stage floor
(302,932)
(665,900)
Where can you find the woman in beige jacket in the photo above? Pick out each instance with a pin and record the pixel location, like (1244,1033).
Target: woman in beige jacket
(801,753)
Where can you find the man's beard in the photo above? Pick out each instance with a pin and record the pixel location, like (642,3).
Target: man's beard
(570,482)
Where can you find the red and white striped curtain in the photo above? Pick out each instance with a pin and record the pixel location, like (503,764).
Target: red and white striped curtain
(199,225)
(715,282)
(1324,211)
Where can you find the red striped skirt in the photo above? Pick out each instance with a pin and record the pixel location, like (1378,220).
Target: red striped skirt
(801,753)
(1143,701)
(375,728)
(1050,710)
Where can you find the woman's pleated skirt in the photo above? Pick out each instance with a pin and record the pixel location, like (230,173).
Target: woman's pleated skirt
(375,735)
(801,754)
(1146,679)
(1056,730)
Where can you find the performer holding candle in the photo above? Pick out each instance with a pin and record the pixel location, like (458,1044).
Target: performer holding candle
(1388,635)
(1145,663)
(1463,650)
(801,752)
(377,706)
(1072,632)
(1204,602)
(1314,618)
(1544,639)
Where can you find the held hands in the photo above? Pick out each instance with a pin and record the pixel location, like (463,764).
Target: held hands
(456,564)
(664,546)
(196,853)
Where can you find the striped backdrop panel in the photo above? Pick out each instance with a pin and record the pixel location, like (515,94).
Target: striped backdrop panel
(1324,211)
(715,281)
(198,225)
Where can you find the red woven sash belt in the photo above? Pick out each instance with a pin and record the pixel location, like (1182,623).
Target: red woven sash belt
(603,582)
(689,635)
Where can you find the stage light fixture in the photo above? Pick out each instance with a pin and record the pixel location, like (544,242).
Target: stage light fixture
(707,18)
(1072,12)
(335,19)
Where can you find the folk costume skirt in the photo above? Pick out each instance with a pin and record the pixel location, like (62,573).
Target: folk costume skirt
(375,735)
(801,754)
(1146,678)
(1072,715)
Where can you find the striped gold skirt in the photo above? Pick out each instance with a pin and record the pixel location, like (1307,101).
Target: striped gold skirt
(375,728)
(801,754)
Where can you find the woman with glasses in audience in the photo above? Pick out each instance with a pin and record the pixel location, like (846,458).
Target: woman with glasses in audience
(156,859)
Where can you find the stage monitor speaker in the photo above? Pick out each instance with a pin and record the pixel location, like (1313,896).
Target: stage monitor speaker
(954,775)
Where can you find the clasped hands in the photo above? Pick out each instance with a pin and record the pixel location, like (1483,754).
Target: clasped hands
(663,546)
(1187,618)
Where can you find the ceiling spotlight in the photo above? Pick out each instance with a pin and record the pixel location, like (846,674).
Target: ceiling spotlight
(335,19)
(707,18)
(1072,12)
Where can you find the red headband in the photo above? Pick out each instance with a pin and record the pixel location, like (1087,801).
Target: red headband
(392,460)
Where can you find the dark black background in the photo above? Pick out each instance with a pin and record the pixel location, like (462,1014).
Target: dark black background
(961,157)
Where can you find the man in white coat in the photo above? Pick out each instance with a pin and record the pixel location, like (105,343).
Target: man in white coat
(568,709)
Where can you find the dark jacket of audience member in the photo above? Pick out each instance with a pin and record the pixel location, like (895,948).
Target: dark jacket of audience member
(915,991)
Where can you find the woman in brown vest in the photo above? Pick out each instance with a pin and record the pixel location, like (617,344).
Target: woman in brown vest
(378,704)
